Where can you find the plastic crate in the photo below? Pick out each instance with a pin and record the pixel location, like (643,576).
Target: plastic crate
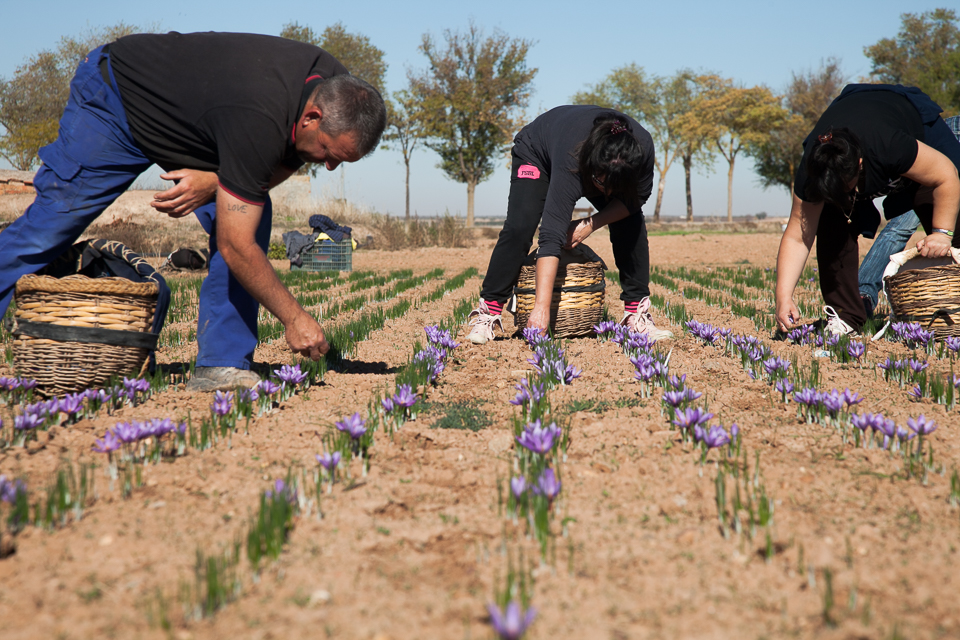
(327,256)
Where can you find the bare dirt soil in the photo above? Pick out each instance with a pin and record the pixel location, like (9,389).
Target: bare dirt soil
(416,548)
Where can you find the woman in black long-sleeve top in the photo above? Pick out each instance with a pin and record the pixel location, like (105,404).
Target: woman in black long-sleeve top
(567,153)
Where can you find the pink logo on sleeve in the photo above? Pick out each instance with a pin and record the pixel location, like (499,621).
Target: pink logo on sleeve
(528,171)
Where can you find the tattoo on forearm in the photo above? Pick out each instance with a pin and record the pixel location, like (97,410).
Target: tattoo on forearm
(242,208)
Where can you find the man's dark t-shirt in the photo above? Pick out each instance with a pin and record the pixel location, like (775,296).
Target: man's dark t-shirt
(548,143)
(888,127)
(223,102)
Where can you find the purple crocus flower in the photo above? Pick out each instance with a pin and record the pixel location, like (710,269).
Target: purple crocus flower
(953,343)
(677,383)
(329,461)
(604,328)
(518,485)
(127,432)
(354,426)
(282,491)
(405,397)
(645,374)
(107,444)
(72,403)
(904,436)
(886,426)
(222,403)
(832,401)
(388,405)
(674,398)
(856,350)
(689,395)
(248,395)
(27,421)
(917,366)
(512,623)
(916,393)
(290,374)
(8,384)
(808,397)
(699,433)
(716,436)
(851,397)
(267,387)
(9,490)
(570,374)
(921,426)
(539,439)
(783,386)
(534,338)
(690,418)
(862,422)
(734,433)
(548,485)
(27,384)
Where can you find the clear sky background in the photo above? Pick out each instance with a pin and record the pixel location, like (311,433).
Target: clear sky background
(575,44)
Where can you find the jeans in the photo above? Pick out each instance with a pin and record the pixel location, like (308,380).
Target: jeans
(524,211)
(892,239)
(93,160)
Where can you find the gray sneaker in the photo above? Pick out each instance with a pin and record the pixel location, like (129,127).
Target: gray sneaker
(221,379)
(482,322)
(642,322)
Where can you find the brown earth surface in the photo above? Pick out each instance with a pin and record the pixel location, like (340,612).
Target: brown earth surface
(415,549)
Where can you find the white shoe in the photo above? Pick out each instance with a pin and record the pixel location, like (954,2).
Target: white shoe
(835,326)
(642,322)
(482,322)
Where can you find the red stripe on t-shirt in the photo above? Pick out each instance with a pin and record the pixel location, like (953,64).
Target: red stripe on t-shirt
(242,199)
(312,78)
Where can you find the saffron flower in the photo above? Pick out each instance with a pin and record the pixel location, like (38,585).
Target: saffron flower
(539,439)
(534,338)
(388,405)
(10,490)
(547,485)
(518,485)
(511,623)
(354,426)
(715,437)
(127,432)
(405,397)
(674,398)
(222,403)
(290,374)
(329,461)
(856,350)
(27,421)
(107,444)
(689,418)
(268,387)
(921,426)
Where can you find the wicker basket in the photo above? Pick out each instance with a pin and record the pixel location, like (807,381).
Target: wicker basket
(579,304)
(929,296)
(76,332)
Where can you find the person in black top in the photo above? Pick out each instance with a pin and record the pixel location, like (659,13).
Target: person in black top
(228,116)
(567,153)
(872,141)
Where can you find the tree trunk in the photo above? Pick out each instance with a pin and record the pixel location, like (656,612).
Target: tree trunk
(660,187)
(730,190)
(687,169)
(471,189)
(407,163)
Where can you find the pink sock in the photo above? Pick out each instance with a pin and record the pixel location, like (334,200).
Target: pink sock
(496,308)
(630,307)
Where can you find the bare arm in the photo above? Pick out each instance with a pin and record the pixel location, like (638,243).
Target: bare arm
(546,275)
(794,249)
(935,171)
(581,229)
(237,223)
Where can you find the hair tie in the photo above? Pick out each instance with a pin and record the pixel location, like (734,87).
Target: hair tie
(825,137)
(617,127)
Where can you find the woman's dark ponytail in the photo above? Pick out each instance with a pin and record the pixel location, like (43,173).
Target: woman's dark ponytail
(833,162)
(613,152)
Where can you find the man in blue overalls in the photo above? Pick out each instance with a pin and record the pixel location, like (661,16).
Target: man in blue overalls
(228,116)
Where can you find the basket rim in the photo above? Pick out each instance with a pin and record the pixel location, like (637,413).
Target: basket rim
(82,284)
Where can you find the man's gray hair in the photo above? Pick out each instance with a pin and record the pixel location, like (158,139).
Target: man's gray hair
(351,105)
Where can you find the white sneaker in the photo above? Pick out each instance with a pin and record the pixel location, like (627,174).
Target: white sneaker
(642,322)
(835,326)
(483,321)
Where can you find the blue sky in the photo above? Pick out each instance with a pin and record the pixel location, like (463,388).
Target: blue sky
(575,44)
